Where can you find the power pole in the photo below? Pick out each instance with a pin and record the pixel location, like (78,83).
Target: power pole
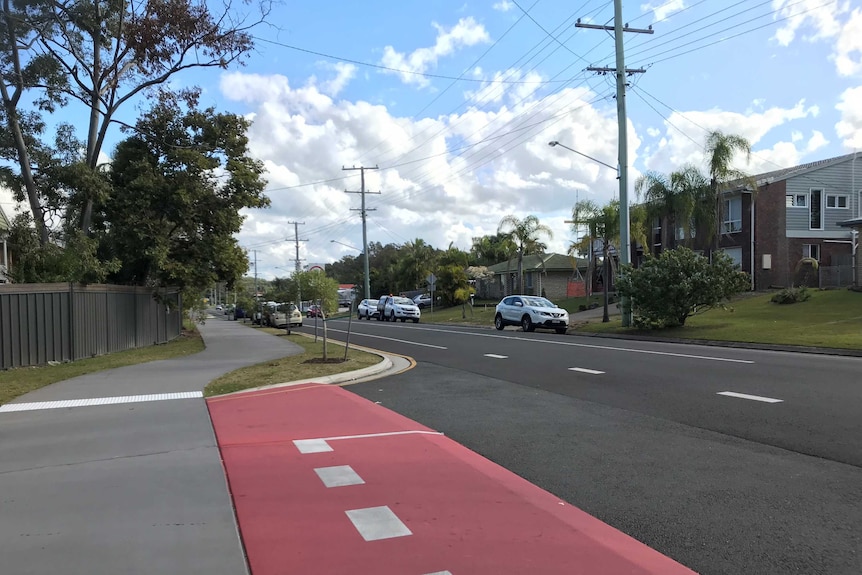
(363,211)
(298,266)
(256,299)
(621,72)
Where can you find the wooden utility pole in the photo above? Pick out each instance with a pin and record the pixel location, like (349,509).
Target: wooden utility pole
(363,211)
(621,72)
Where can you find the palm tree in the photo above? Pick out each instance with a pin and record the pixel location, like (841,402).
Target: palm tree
(679,201)
(526,235)
(603,223)
(720,151)
(415,264)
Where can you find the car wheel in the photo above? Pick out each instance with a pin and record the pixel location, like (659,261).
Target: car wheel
(527,324)
(498,322)
(562,330)
(392,317)
(358,316)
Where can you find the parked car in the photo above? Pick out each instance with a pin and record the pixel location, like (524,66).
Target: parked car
(367,309)
(284,315)
(219,307)
(422,300)
(530,312)
(314,311)
(392,308)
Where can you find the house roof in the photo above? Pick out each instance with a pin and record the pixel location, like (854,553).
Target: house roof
(4,220)
(538,262)
(785,173)
(854,223)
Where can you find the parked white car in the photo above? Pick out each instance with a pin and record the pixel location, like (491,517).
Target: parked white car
(397,307)
(367,309)
(530,312)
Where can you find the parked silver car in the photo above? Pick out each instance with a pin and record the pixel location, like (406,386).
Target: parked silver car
(367,309)
(393,308)
(530,312)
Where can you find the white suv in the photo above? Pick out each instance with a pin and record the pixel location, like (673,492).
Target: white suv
(393,308)
(530,312)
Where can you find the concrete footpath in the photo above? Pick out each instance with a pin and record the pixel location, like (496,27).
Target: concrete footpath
(120,472)
(131,484)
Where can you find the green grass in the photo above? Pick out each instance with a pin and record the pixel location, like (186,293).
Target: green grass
(18,381)
(292,368)
(831,318)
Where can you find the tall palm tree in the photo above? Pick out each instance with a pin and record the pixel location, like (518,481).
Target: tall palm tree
(720,150)
(527,235)
(679,201)
(415,264)
(603,222)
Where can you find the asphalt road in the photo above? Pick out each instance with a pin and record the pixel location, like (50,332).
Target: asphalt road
(640,437)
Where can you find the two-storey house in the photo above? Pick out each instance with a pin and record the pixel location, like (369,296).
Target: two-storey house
(795,213)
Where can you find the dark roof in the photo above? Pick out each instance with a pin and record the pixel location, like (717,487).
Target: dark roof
(534,262)
(785,173)
(854,223)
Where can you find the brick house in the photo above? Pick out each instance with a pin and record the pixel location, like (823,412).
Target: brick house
(795,213)
(551,275)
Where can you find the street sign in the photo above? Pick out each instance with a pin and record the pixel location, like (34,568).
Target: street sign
(431,279)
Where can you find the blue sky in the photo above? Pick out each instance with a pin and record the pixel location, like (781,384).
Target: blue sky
(458,148)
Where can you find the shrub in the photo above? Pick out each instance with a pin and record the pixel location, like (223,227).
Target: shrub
(791,295)
(667,290)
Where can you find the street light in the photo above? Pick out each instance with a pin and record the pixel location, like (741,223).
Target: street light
(367,280)
(625,251)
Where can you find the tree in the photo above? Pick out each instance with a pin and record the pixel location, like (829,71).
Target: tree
(170,220)
(492,249)
(668,289)
(720,151)
(415,262)
(603,223)
(680,201)
(526,235)
(316,286)
(102,54)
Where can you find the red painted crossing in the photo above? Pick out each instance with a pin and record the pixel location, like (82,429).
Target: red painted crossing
(466,515)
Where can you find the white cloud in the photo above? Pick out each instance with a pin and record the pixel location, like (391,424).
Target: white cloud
(849,128)
(344,72)
(677,149)
(848,47)
(467,32)
(817,141)
(662,10)
(822,18)
(503,6)
(431,186)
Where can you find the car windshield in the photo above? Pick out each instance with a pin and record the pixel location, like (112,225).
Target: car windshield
(402,301)
(372,302)
(538,302)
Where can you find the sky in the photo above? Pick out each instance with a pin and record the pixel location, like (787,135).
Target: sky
(455,103)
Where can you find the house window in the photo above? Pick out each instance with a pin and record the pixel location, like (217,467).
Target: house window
(735,254)
(837,201)
(815,210)
(811,251)
(797,200)
(733,215)
(528,280)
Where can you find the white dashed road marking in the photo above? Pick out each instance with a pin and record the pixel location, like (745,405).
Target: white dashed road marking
(320,444)
(751,397)
(338,476)
(495,356)
(375,523)
(585,370)
(99,401)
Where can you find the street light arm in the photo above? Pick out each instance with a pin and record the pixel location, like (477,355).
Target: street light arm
(346,245)
(556,143)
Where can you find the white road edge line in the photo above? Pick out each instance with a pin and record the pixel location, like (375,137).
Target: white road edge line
(588,346)
(60,404)
(375,523)
(391,339)
(751,397)
(585,370)
(495,356)
(320,445)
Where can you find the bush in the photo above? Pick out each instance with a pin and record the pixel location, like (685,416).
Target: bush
(667,290)
(791,295)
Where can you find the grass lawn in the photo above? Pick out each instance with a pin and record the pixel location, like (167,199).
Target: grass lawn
(831,318)
(18,381)
(294,367)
